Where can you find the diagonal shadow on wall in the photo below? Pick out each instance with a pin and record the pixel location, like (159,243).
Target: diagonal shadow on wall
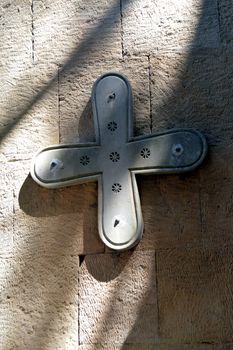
(177,117)
(76,59)
(200,99)
(56,203)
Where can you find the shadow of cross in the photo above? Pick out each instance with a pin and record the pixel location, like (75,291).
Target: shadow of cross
(114,160)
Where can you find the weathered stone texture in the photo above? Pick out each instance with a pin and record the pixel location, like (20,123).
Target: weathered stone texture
(226,19)
(6,212)
(170,25)
(195,295)
(28,114)
(147,347)
(16,56)
(75,93)
(217,197)
(118,299)
(174,290)
(16,43)
(223,347)
(62,220)
(194,90)
(172,214)
(38,302)
(65,32)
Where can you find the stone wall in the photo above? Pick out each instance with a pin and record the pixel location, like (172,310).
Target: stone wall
(60,287)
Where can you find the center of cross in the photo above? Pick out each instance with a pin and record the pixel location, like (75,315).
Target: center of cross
(114,157)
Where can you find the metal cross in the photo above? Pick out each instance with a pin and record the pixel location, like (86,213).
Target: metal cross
(114,160)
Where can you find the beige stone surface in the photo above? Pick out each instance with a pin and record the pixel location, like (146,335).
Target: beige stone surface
(61,220)
(195,295)
(170,25)
(27,106)
(118,299)
(65,32)
(146,347)
(216,197)
(76,123)
(6,212)
(28,114)
(171,211)
(16,42)
(16,56)
(223,347)
(38,301)
(193,90)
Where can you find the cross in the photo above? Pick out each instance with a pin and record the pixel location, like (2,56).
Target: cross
(114,160)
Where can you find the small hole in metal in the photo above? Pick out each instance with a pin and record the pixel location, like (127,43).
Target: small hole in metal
(145,153)
(111,97)
(84,160)
(52,165)
(116,223)
(56,164)
(114,157)
(116,188)
(177,150)
(112,126)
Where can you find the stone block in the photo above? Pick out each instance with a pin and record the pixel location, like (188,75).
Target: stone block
(58,222)
(223,347)
(29,114)
(16,38)
(216,197)
(193,90)
(16,56)
(146,347)
(169,25)
(6,211)
(70,33)
(118,299)
(195,295)
(171,212)
(38,302)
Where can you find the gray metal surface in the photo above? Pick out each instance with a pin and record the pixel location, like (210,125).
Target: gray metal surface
(115,158)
